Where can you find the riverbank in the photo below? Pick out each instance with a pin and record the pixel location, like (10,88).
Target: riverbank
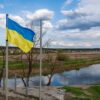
(76,92)
(57,67)
(82,92)
(57,62)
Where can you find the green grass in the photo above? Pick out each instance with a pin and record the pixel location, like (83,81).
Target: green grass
(14,64)
(78,98)
(74,90)
(95,91)
(66,62)
(76,61)
(20,65)
(1,63)
(17,65)
(81,94)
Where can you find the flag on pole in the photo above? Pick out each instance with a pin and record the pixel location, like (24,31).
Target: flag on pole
(19,36)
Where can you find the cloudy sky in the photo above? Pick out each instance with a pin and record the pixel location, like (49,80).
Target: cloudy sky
(68,23)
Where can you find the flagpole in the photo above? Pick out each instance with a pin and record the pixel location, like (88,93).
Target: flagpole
(40,96)
(6,81)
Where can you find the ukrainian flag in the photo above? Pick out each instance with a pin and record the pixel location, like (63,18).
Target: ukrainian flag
(19,36)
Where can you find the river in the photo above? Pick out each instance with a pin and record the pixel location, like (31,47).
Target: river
(86,75)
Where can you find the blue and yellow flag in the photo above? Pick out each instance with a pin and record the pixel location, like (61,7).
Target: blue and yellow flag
(19,36)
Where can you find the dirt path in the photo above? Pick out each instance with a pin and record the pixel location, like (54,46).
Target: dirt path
(13,96)
(47,93)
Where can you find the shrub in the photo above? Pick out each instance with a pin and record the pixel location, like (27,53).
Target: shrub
(62,57)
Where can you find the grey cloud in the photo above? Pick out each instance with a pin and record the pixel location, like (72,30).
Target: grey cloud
(78,25)
(84,17)
(73,14)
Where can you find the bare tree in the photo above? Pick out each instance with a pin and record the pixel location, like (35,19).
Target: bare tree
(31,57)
(51,62)
(3,60)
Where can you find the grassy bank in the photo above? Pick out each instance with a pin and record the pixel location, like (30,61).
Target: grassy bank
(60,65)
(82,93)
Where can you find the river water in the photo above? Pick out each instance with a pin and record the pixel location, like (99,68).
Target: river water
(86,75)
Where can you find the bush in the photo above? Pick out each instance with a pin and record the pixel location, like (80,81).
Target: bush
(62,57)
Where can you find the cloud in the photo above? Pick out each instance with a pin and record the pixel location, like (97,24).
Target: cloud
(79,23)
(92,34)
(43,14)
(1,6)
(63,44)
(67,3)
(70,14)
(80,26)
(75,38)
(85,16)
(2,20)
(47,25)
(18,19)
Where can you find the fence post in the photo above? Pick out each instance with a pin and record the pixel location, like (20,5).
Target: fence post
(4,79)
(26,90)
(26,87)
(15,83)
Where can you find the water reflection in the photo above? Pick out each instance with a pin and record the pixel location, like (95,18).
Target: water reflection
(88,75)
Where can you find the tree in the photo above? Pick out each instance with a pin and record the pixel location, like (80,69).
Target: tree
(30,55)
(3,60)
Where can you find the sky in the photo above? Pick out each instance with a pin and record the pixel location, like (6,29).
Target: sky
(67,23)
